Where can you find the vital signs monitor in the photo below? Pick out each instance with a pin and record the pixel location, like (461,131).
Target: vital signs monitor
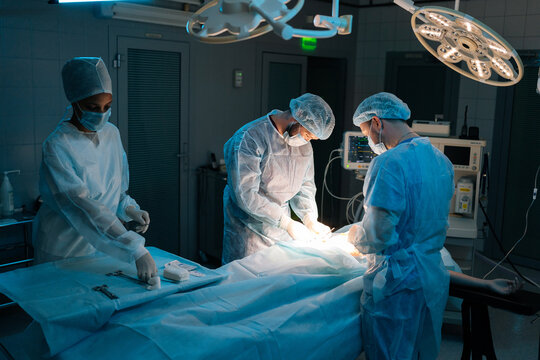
(356,151)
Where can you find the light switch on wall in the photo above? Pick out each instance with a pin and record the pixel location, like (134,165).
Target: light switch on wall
(238,78)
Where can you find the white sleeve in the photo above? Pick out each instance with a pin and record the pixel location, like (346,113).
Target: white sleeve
(376,231)
(125,199)
(91,219)
(244,171)
(303,203)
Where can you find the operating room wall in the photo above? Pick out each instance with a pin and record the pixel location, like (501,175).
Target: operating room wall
(383,29)
(37,38)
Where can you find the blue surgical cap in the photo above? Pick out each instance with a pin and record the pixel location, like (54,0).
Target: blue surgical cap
(84,77)
(383,105)
(313,113)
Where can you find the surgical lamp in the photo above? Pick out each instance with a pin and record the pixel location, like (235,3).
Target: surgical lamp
(454,37)
(227,21)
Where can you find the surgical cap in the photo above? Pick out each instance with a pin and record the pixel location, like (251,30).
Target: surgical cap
(383,105)
(313,113)
(84,77)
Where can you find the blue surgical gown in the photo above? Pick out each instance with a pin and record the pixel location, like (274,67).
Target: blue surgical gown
(265,176)
(83,182)
(407,199)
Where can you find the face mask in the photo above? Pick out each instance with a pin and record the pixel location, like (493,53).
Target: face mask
(377,148)
(296,140)
(94,121)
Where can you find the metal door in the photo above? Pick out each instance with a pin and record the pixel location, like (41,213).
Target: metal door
(153,121)
(284,78)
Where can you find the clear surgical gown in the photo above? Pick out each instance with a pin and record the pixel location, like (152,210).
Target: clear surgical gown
(265,176)
(83,182)
(407,199)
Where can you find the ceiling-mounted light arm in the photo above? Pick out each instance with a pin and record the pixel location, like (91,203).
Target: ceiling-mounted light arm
(335,8)
(407,5)
(333,24)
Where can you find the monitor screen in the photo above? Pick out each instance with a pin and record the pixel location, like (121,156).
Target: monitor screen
(358,150)
(458,155)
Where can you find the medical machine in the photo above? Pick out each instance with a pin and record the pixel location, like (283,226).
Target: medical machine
(356,151)
(464,196)
(432,128)
(466,156)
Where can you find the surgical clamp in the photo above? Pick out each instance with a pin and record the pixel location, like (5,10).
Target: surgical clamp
(103,289)
(122,275)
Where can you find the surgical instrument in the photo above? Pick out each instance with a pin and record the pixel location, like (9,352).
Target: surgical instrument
(103,289)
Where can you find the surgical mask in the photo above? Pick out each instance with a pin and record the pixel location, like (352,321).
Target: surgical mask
(296,140)
(94,121)
(377,148)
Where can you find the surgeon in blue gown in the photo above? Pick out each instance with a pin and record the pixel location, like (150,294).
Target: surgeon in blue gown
(407,189)
(270,167)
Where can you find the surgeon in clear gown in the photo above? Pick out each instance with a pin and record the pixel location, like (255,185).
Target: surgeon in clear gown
(84,178)
(270,167)
(407,189)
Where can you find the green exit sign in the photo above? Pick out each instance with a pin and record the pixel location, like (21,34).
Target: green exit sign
(308,44)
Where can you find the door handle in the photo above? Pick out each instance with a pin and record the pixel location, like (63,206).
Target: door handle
(184,155)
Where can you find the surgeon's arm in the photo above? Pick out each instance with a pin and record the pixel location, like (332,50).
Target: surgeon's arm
(244,171)
(125,199)
(376,231)
(303,203)
(91,219)
(384,203)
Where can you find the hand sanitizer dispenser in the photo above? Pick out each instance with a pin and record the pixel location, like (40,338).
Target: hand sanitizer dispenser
(6,195)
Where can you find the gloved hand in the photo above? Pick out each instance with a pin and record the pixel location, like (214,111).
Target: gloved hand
(313,225)
(146,267)
(353,234)
(140,216)
(296,229)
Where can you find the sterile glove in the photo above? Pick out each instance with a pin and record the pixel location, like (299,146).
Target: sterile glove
(154,283)
(140,216)
(353,234)
(313,225)
(146,267)
(296,229)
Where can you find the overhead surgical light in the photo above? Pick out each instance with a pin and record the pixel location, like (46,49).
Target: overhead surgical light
(454,37)
(227,21)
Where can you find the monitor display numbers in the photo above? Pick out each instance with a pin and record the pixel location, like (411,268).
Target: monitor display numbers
(359,150)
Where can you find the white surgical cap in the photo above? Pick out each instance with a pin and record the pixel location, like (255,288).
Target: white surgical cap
(383,105)
(84,77)
(313,113)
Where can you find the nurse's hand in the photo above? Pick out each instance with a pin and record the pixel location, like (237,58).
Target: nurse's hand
(316,227)
(140,216)
(296,229)
(146,267)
